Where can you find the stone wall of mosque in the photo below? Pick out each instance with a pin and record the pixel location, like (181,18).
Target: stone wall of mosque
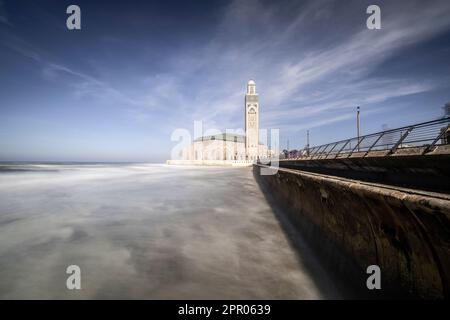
(219,150)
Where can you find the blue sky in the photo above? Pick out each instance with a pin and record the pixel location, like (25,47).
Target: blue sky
(138,70)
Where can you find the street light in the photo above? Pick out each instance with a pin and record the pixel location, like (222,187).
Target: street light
(307,142)
(357,125)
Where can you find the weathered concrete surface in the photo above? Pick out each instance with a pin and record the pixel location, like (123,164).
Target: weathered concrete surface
(356,224)
(412,171)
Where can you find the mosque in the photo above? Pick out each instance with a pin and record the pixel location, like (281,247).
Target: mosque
(233,147)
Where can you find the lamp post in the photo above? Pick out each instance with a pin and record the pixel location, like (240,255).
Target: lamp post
(357,125)
(307,142)
(289,154)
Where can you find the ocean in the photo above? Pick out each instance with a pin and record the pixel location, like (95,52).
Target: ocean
(147,231)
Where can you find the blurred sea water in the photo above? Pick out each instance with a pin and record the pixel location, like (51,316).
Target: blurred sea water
(146,231)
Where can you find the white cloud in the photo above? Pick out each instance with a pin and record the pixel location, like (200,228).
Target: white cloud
(296,78)
(303,68)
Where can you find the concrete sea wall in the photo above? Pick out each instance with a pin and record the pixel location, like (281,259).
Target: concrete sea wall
(355,224)
(414,171)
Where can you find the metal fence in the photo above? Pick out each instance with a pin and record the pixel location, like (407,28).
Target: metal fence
(426,136)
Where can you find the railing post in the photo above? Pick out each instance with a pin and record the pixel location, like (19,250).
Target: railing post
(345,144)
(403,137)
(318,148)
(326,146)
(376,141)
(347,149)
(320,153)
(311,151)
(331,150)
(428,148)
(357,146)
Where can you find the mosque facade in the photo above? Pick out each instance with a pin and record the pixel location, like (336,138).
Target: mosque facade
(237,147)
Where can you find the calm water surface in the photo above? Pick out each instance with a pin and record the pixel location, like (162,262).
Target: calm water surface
(147,231)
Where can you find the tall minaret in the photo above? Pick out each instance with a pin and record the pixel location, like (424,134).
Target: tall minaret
(251,122)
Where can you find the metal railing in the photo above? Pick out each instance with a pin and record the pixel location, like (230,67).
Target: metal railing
(426,136)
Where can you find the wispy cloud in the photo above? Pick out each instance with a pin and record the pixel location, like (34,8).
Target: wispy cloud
(84,85)
(313,62)
(297,78)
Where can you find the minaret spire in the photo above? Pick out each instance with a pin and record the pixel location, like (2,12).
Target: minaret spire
(251,122)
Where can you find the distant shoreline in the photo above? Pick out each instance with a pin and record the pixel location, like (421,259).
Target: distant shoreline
(77,162)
